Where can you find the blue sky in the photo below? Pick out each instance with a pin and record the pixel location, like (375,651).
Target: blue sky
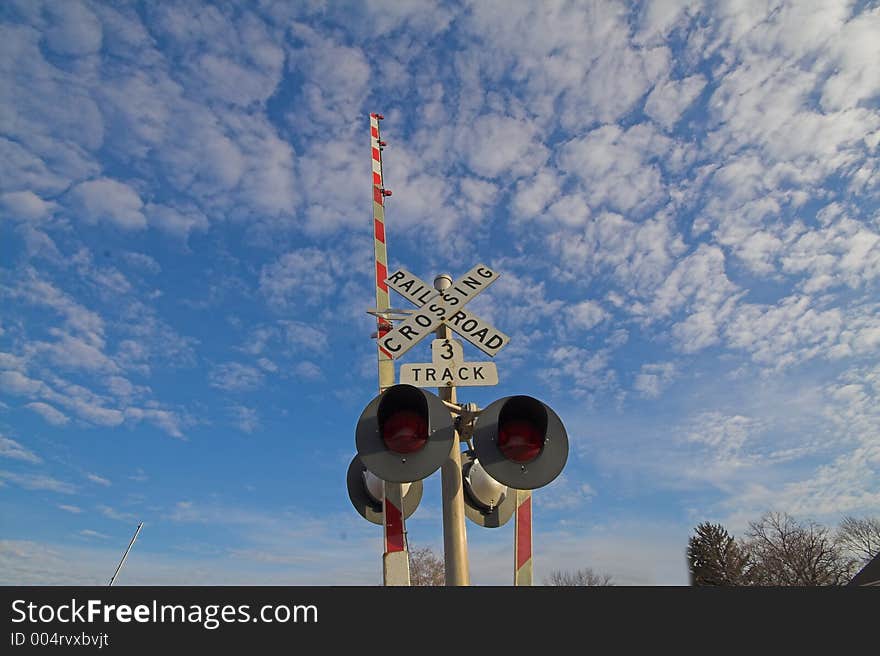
(682,200)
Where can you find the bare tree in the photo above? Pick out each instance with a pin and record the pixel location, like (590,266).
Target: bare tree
(582,577)
(784,552)
(426,568)
(716,558)
(859,538)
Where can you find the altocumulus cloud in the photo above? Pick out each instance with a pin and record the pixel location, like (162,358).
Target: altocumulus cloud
(681,198)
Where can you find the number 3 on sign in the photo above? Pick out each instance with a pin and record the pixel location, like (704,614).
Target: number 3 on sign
(446,350)
(447,354)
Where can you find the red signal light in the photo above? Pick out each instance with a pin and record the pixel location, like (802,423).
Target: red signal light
(405,432)
(520,440)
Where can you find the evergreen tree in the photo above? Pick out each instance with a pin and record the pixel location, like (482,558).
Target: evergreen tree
(715,558)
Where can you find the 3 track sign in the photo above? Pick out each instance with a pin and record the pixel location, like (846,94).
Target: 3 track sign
(448,368)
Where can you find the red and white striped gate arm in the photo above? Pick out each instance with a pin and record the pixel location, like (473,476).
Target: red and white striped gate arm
(381,249)
(395,561)
(522,549)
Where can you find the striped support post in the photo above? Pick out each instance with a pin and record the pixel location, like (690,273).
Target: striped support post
(395,561)
(522,550)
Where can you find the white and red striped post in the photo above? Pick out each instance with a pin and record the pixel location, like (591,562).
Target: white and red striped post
(395,561)
(522,549)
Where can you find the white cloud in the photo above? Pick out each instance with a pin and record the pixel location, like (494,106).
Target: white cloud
(654,378)
(246,419)
(111,201)
(73,29)
(69,508)
(585,315)
(112,513)
(698,281)
(301,276)
(169,421)
(267,365)
(96,414)
(237,82)
(325,173)
(503,305)
(420,16)
(89,533)
(269,186)
(47,412)
(588,72)
(564,494)
(477,197)
(791,331)
(638,256)
(621,168)
(75,354)
(17,383)
(853,51)
(235,377)
(122,388)
(534,194)
(687,233)
(658,17)
(25,205)
(178,222)
(39,244)
(36,290)
(725,435)
(9,448)
(670,99)
(308,371)
(495,144)
(587,371)
(100,480)
(844,482)
(302,337)
(85,404)
(37,482)
(844,251)
(337,80)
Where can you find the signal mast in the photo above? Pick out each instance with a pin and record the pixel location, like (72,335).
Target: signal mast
(405,434)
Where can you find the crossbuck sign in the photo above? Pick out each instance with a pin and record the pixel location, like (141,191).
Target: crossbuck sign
(436,307)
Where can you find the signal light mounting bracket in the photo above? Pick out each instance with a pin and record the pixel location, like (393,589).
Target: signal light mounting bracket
(465,419)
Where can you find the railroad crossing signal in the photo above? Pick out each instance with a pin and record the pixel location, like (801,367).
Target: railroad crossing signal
(404,434)
(487,502)
(365,490)
(436,307)
(520,442)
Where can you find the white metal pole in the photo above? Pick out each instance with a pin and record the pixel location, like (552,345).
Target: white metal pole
(454,530)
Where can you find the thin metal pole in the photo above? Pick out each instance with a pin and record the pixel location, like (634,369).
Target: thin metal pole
(125,555)
(454,532)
